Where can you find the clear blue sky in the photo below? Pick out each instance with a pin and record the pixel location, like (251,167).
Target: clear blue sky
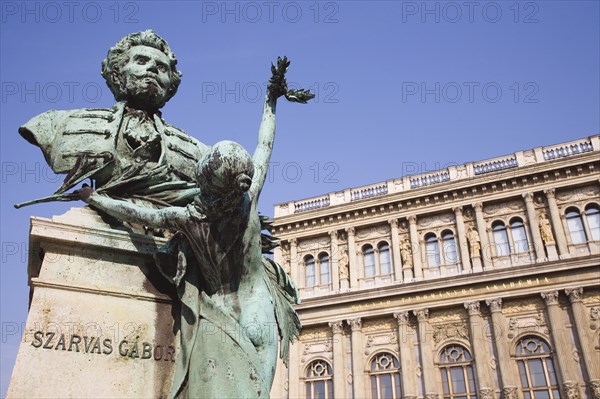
(401,87)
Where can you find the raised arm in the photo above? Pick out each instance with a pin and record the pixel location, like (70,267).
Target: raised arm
(171,217)
(266,133)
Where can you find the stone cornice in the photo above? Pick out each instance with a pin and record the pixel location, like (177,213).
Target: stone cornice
(464,288)
(449,195)
(467,173)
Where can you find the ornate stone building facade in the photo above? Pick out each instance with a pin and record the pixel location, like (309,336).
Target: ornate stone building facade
(478,281)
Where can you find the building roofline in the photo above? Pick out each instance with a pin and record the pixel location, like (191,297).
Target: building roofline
(441,177)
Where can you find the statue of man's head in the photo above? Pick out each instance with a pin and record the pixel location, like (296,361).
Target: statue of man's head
(141,69)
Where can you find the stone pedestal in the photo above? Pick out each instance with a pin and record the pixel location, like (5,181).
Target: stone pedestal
(477,264)
(344,284)
(552,254)
(100,322)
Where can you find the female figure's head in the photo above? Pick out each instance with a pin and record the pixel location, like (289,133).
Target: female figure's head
(224,174)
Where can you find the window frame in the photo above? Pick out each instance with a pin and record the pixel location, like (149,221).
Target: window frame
(467,368)
(310,382)
(375,376)
(524,363)
(576,217)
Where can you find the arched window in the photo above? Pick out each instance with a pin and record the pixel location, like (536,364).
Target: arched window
(309,271)
(456,366)
(318,381)
(433,250)
(369,258)
(501,239)
(385,262)
(536,368)
(575,225)
(385,377)
(324,269)
(449,247)
(592,214)
(517,230)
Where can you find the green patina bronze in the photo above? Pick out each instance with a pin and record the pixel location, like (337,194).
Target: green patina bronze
(235,302)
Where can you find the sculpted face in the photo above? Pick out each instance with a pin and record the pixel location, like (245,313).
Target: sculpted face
(146,77)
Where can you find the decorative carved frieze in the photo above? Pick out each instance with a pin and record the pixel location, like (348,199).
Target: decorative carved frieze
(523,306)
(486,393)
(503,208)
(378,325)
(450,315)
(373,232)
(432,396)
(594,317)
(437,220)
(315,333)
(450,331)
(534,324)
(313,244)
(577,194)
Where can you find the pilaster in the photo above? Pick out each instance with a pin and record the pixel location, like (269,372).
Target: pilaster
(352,256)
(534,227)
(414,241)
(482,358)
(582,326)
(396,250)
(339,366)
(566,364)
(358,374)
(409,383)
(334,261)
(427,362)
(462,239)
(508,377)
(483,236)
(559,233)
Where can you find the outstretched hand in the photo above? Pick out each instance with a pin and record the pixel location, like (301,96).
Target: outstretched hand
(278,84)
(84,193)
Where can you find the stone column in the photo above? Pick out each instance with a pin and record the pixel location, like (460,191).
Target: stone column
(486,251)
(484,377)
(352,257)
(427,363)
(339,361)
(462,239)
(416,248)
(508,377)
(555,220)
(566,363)
(405,342)
(358,373)
(278,388)
(294,371)
(294,263)
(333,261)
(396,259)
(582,326)
(377,262)
(538,244)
